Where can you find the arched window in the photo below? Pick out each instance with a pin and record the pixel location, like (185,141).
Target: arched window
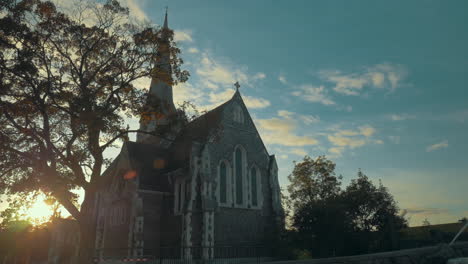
(254,186)
(238,114)
(224,188)
(255,182)
(238,163)
(222,183)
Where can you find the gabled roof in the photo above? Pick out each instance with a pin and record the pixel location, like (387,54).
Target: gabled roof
(198,130)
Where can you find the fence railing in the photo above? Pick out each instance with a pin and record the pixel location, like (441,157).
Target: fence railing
(185,255)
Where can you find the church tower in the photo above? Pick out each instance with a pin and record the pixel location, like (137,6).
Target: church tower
(160,102)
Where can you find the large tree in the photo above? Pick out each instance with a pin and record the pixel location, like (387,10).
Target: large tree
(328,220)
(316,211)
(373,211)
(66,85)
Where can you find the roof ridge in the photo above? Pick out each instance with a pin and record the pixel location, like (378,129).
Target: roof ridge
(212,110)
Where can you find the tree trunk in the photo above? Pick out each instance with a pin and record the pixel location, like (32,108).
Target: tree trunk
(87,229)
(86,246)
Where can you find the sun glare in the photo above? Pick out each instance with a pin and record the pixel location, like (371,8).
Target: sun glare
(39,212)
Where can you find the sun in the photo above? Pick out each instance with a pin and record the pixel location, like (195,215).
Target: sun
(39,212)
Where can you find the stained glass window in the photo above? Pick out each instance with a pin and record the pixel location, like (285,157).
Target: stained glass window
(253,185)
(239,186)
(222,182)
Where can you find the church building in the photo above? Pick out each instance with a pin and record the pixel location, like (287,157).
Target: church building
(199,191)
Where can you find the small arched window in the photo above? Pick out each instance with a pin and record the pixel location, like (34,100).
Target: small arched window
(240,179)
(255,182)
(238,114)
(222,183)
(224,188)
(254,186)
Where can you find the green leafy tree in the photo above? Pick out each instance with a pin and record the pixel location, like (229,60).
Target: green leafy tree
(66,84)
(316,212)
(313,180)
(373,212)
(330,221)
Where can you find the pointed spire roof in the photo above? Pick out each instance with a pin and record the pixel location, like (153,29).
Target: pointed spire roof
(165,26)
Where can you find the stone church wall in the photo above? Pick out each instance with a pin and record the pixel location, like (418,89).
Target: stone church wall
(238,226)
(117,228)
(161,227)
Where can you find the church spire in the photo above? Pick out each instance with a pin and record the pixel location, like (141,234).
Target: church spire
(160,92)
(165,21)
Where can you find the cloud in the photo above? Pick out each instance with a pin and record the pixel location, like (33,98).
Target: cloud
(216,99)
(214,73)
(426,211)
(281,130)
(440,145)
(367,131)
(183,36)
(336,151)
(346,141)
(381,76)
(298,151)
(259,76)
(342,139)
(401,117)
(254,102)
(135,9)
(313,94)
(306,119)
(186,92)
(282,79)
(193,50)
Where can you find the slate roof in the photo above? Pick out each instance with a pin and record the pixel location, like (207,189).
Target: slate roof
(198,130)
(147,159)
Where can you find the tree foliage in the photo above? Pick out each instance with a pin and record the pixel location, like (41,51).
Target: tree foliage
(66,84)
(328,220)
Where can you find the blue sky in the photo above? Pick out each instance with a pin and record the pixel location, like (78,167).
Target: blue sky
(377,85)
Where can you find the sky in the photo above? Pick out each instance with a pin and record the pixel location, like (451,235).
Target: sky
(374,85)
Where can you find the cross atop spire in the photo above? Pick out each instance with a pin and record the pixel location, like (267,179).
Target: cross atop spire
(237,85)
(165,20)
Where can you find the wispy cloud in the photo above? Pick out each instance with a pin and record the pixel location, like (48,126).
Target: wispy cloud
(306,119)
(401,117)
(282,79)
(255,102)
(135,9)
(313,94)
(281,130)
(426,211)
(216,98)
(381,76)
(298,151)
(440,145)
(183,35)
(259,76)
(193,50)
(342,139)
(214,73)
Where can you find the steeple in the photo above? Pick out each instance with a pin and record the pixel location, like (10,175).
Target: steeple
(165,21)
(160,92)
